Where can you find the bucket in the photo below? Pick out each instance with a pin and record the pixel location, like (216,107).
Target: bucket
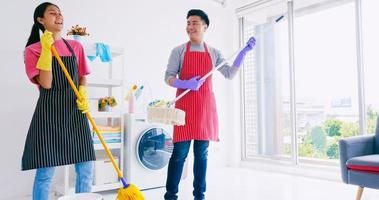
(82,196)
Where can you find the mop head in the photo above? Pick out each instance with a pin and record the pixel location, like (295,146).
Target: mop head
(160,112)
(130,193)
(170,116)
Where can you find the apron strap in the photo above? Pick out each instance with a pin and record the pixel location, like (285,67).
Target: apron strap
(69,48)
(205,47)
(188,47)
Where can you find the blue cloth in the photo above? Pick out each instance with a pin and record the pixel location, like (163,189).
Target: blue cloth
(175,168)
(103,51)
(108,141)
(44,176)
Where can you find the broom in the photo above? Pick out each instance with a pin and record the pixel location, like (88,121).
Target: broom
(128,191)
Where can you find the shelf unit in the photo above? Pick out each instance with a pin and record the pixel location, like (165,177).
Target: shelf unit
(107,84)
(103,82)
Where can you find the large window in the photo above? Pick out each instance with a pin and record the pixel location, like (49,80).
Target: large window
(371,62)
(326,80)
(326,97)
(267,119)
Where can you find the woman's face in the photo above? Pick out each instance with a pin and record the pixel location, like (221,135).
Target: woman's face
(195,28)
(52,19)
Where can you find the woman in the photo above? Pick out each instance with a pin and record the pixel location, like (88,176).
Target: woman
(191,61)
(59,132)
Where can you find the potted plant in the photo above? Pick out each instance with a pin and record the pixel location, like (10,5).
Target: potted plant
(106,103)
(77,31)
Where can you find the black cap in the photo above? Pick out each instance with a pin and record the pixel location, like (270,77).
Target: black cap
(200,13)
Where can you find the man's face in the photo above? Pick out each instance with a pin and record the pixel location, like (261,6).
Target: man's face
(195,28)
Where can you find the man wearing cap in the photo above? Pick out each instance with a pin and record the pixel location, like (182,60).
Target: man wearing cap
(186,65)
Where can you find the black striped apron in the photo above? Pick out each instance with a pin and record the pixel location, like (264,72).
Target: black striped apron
(59,133)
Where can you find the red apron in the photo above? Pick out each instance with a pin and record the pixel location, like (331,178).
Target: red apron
(200,106)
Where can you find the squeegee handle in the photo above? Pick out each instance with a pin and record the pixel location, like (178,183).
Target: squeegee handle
(208,74)
(221,64)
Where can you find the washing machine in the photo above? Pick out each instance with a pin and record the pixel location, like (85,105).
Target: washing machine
(148,148)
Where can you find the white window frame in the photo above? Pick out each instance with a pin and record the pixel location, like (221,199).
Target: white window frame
(360,69)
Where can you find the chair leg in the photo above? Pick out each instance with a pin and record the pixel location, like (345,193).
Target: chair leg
(359,193)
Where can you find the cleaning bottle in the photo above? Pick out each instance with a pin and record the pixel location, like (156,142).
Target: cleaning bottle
(130,93)
(131,102)
(130,98)
(139,91)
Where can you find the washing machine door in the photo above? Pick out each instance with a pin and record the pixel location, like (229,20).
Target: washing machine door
(154,148)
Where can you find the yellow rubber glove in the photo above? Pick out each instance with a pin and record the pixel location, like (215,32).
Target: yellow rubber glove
(46,57)
(82,102)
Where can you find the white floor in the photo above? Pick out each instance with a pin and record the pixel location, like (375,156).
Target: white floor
(245,184)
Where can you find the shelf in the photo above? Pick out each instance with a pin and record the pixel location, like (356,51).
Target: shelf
(104,82)
(110,146)
(90,49)
(106,114)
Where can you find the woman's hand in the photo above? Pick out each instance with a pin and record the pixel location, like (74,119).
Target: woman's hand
(45,59)
(82,102)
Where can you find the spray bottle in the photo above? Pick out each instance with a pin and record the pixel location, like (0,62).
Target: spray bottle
(131,98)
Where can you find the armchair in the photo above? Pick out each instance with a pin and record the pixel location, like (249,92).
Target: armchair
(359,161)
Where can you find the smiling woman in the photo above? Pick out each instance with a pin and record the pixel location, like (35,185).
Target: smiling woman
(49,14)
(56,118)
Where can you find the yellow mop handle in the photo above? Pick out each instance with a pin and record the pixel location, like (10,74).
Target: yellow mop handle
(64,69)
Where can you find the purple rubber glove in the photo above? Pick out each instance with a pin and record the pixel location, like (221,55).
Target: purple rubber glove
(241,56)
(192,84)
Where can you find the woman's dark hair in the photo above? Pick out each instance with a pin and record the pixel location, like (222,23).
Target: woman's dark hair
(38,12)
(200,13)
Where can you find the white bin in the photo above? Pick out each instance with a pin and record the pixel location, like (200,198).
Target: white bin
(104,172)
(82,196)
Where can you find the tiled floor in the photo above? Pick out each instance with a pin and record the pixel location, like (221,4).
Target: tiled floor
(245,184)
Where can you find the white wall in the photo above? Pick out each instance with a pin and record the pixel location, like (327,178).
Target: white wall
(147,29)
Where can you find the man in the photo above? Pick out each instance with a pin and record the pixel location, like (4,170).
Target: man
(191,61)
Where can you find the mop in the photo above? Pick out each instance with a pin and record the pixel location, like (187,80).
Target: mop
(162,111)
(128,191)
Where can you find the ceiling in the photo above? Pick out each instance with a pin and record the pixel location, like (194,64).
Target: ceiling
(233,4)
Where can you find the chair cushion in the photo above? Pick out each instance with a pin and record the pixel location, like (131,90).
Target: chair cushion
(369,163)
(376,143)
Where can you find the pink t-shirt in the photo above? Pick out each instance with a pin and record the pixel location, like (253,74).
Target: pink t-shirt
(33,51)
